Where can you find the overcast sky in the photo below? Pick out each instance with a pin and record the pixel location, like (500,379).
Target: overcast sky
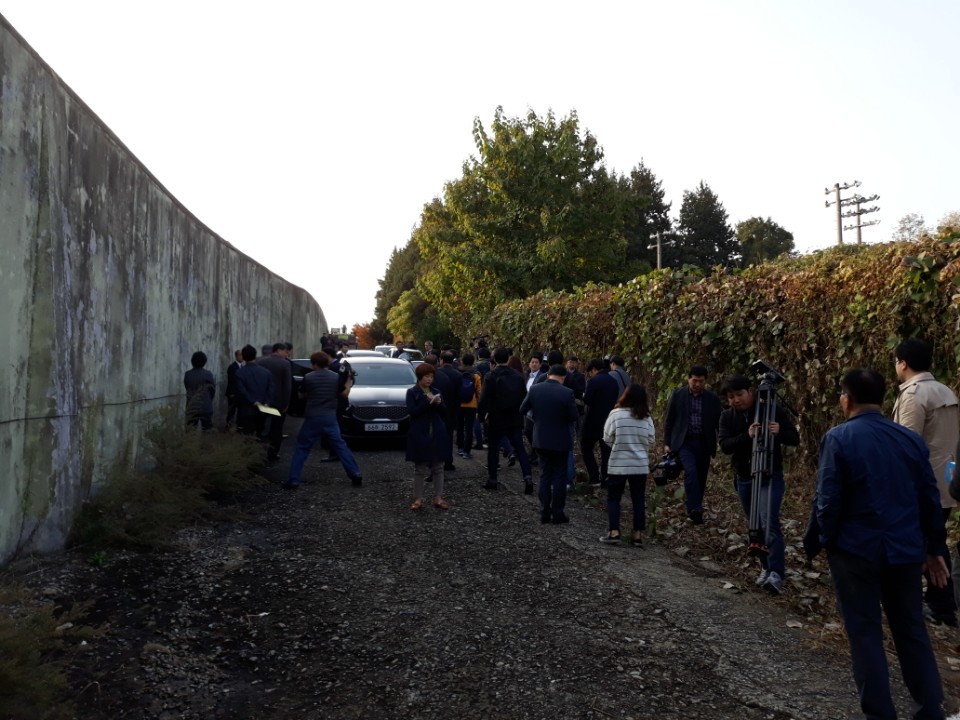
(310,135)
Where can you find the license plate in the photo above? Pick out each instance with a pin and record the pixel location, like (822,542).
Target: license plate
(380,427)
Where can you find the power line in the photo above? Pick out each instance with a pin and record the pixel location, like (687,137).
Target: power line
(855,200)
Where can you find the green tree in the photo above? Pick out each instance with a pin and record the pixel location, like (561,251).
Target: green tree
(705,237)
(762,240)
(645,214)
(400,276)
(535,209)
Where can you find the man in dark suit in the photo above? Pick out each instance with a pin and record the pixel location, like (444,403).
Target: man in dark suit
(690,430)
(554,424)
(232,386)
(279,367)
(254,385)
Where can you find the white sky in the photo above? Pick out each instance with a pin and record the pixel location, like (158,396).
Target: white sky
(310,135)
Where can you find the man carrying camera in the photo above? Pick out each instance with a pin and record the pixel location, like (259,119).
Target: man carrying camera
(690,431)
(738,430)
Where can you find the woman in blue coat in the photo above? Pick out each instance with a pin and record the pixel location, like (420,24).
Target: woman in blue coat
(427,439)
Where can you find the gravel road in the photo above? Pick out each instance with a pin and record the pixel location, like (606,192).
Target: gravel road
(334,602)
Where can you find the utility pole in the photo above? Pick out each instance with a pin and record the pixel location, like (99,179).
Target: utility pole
(659,250)
(859,200)
(837,187)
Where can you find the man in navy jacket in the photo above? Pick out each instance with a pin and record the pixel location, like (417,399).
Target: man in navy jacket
(554,424)
(878,510)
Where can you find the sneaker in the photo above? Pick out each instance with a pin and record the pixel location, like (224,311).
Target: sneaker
(774,583)
(528,486)
(609,539)
(511,461)
(761,578)
(460,453)
(491,485)
(696,516)
(356,480)
(467,456)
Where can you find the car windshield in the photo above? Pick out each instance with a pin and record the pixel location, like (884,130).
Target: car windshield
(377,375)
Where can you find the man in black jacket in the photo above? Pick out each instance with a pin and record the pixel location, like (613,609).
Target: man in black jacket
(503,391)
(690,430)
(447,381)
(601,394)
(279,368)
(737,432)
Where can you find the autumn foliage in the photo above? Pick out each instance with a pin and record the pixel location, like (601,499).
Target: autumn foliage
(812,318)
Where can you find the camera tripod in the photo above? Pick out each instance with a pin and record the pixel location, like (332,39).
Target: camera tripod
(761,468)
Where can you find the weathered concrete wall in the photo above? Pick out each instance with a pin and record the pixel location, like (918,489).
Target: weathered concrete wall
(107,286)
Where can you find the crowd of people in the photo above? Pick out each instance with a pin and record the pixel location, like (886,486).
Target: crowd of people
(884,488)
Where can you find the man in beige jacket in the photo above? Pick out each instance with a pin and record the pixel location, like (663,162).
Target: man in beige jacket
(931,410)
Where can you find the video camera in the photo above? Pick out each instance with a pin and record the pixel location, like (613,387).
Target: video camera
(767,374)
(669,468)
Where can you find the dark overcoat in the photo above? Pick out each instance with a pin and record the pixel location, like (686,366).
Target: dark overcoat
(427,438)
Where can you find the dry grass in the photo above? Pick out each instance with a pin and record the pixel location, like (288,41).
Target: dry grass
(192,475)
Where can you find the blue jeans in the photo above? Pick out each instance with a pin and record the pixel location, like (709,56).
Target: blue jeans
(862,587)
(638,488)
(313,429)
(695,458)
(553,482)
(772,490)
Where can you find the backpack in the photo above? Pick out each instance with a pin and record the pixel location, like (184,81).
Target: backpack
(468,387)
(511,389)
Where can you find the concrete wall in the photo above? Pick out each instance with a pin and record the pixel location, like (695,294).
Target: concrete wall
(107,286)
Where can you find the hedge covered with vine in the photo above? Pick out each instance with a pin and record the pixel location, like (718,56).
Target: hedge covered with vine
(812,318)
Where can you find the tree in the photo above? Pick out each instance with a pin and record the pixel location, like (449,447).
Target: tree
(706,238)
(949,222)
(534,210)
(910,228)
(762,240)
(400,276)
(645,214)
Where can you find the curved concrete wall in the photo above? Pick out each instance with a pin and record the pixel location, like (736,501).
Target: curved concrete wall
(107,286)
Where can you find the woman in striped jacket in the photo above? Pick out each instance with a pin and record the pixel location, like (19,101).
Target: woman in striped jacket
(629,432)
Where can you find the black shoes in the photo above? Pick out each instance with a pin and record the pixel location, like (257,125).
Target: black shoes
(949,619)
(696,516)
(356,480)
(528,486)
(511,461)
(449,467)
(491,485)
(290,486)
(545,518)
(559,519)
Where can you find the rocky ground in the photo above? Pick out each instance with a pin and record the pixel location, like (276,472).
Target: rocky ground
(334,602)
